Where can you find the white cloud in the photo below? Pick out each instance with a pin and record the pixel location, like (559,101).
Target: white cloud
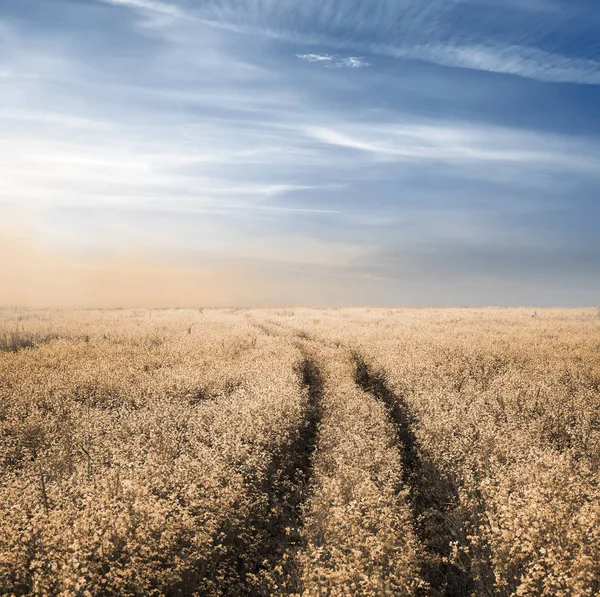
(332,137)
(523,61)
(149,5)
(353,62)
(316,57)
(462,144)
(53,118)
(428,31)
(335,60)
(393,24)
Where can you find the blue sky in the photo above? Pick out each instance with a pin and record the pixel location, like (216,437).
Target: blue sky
(364,151)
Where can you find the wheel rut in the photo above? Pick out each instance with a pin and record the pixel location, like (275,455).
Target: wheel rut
(264,555)
(433,494)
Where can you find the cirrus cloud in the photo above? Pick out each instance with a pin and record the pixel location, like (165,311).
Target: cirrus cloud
(335,60)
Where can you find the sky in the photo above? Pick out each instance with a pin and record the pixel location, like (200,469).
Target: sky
(281,152)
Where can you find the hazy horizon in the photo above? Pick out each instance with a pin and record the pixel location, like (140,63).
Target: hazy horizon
(259,153)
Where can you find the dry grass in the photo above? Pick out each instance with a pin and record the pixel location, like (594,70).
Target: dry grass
(306,452)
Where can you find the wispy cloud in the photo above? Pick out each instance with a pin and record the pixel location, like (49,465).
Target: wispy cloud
(50,117)
(316,57)
(335,60)
(297,210)
(149,5)
(407,29)
(410,29)
(353,62)
(459,143)
(523,61)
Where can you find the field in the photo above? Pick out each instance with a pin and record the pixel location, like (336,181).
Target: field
(375,452)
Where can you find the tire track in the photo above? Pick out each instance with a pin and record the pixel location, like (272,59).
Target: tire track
(263,552)
(433,494)
(300,472)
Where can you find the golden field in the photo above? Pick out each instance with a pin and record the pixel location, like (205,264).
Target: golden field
(375,452)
